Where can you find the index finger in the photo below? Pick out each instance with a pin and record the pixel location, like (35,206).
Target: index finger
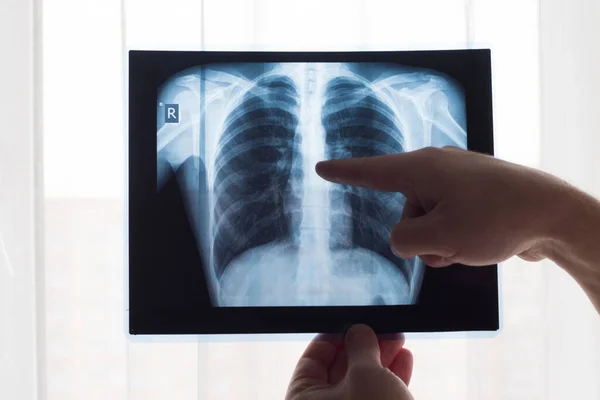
(387,173)
(390,345)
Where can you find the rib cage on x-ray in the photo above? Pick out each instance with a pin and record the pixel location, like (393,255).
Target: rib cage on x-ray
(279,235)
(358,123)
(256,200)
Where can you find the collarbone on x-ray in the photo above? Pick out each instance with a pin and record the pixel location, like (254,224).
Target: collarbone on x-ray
(275,234)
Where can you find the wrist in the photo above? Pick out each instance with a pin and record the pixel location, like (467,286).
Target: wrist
(572,236)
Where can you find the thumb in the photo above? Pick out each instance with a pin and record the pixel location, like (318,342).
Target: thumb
(362,346)
(425,235)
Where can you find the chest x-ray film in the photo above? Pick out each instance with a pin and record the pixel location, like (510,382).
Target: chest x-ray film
(231,229)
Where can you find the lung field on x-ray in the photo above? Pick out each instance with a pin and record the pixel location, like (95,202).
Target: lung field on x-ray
(258,172)
(277,234)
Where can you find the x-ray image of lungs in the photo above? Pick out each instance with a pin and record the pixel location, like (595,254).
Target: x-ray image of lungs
(244,142)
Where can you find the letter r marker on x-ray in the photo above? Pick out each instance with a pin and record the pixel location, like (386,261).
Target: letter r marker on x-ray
(171,113)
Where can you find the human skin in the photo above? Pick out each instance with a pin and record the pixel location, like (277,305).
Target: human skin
(462,207)
(473,209)
(356,367)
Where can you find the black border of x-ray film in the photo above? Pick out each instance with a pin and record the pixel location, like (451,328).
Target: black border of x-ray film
(167,291)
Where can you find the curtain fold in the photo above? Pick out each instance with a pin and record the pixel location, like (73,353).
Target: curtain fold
(18,318)
(570,82)
(545,62)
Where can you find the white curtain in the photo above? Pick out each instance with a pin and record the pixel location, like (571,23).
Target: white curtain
(62,186)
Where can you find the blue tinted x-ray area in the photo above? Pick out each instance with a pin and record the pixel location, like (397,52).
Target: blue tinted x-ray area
(245,142)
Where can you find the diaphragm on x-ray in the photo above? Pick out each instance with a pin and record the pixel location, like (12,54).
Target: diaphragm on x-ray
(244,140)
